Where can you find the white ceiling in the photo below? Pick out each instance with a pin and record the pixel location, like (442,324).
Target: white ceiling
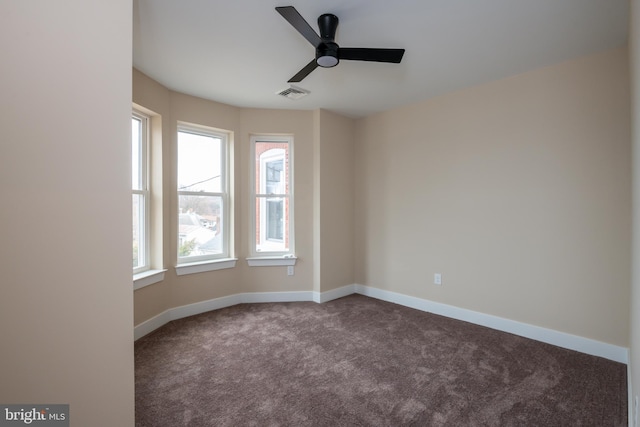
(242,52)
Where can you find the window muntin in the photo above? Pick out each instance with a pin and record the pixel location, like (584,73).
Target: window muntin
(202,195)
(140,192)
(272,218)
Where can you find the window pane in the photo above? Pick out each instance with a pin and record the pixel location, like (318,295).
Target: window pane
(272,168)
(272,217)
(200,226)
(136,154)
(275,219)
(138,231)
(199,163)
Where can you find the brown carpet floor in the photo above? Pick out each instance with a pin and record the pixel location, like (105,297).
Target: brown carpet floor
(358,361)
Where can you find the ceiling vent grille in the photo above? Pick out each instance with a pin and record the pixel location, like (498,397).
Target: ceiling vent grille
(293,92)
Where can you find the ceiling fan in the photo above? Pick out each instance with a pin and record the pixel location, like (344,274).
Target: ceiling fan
(328,53)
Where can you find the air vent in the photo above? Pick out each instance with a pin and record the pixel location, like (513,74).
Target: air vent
(293,92)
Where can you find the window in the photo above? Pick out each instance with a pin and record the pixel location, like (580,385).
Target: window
(146,189)
(203,194)
(140,192)
(272,193)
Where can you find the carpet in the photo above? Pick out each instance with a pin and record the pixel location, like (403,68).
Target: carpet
(358,361)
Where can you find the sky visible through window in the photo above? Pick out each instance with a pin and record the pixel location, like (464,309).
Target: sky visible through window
(199,163)
(135,153)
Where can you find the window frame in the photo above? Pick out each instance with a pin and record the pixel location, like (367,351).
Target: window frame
(255,195)
(144,243)
(224,194)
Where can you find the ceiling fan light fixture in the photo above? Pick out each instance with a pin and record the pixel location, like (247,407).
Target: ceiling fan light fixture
(327,61)
(327,55)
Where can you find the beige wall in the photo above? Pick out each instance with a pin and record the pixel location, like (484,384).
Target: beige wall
(171,107)
(194,288)
(65,218)
(300,125)
(634,50)
(334,191)
(175,290)
(516,191)
(155,99)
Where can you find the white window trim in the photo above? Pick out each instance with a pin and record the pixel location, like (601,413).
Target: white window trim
(272,261)
(147,278)
(201,267)
(196,264)
(271,258)
(145,242)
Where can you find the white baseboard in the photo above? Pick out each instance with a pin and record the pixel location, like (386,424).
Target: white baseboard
(344,291)
(165,317)
(549,336)
(175,313)
(204,306)
(151,325)
(631,404)
(260,297)
(560,339)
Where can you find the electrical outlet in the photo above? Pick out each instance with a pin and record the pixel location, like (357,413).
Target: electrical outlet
(290,270)
(437,279)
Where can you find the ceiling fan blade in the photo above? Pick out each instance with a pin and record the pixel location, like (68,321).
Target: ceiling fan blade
(298,22)
(304,72)
(367,54)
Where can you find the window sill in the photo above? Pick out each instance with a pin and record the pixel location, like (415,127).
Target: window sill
(147,278)
(287,260)
(201,267)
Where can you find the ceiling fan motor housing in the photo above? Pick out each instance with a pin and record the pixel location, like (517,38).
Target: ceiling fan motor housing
(327,51)
(327,24)
(327,55)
